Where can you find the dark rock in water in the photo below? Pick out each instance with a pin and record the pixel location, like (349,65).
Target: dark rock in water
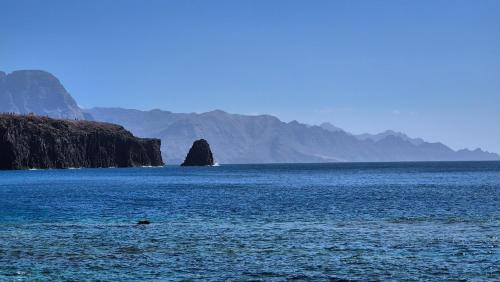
(28,141)
(199,154)
(143,222)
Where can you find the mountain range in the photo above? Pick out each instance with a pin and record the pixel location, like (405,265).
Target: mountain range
(234,138)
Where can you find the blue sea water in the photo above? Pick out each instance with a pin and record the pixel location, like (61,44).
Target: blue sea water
(318,222)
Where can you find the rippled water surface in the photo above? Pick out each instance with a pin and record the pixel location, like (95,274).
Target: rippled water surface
(420,221)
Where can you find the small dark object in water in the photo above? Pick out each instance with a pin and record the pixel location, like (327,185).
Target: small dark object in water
(141,222)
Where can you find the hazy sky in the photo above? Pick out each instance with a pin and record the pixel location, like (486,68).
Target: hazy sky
(428,68)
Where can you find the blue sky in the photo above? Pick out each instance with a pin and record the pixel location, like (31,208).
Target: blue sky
(427,68)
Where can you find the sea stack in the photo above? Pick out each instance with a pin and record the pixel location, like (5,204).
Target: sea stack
(28,141)
(199,154)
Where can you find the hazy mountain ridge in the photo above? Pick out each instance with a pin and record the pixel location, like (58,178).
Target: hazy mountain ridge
(39,92)
(234,138)
(374,137)
(330,127)
(265,139)
(385,134)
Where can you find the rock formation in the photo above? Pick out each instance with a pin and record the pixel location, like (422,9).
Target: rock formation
(199,154)
(39,142)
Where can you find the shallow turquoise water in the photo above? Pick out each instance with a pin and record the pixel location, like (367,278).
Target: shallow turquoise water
(392,221)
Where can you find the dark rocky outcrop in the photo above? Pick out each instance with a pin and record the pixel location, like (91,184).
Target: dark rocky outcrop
(40,142)
(199,154)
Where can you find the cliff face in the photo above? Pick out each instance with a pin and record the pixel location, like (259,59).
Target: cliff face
(41,142)
(199,154)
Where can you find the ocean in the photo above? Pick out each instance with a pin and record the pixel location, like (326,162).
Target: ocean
(307,222)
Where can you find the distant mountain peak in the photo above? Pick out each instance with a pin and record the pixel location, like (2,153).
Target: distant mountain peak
(39,92)
(330,127)
(389,134)
(216,112)
(33,73)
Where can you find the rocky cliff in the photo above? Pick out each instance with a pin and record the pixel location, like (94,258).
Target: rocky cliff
(41,142)
(199,154)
